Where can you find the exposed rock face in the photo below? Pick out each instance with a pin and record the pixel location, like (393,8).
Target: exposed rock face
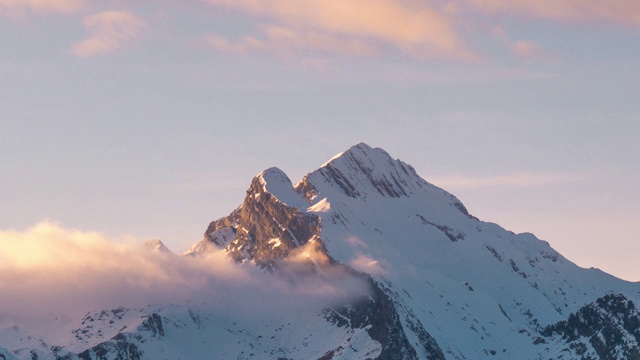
(378,313)
(608,328)
(213,230)
(5,354)
(121,347)
(126,346)
(269,229)
(264,229)
(219,234)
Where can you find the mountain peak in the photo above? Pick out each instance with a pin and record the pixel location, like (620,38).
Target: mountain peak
(364,148)
(363,171)
(359,150)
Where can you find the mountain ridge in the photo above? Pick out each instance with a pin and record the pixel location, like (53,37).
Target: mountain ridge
(363,174)
(442,284)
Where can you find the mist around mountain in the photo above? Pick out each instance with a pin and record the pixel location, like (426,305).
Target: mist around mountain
(360,259)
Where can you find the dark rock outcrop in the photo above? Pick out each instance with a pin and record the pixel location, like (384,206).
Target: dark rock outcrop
(610,326)
(121,347)
(267,229)
(215,226)
(377,312)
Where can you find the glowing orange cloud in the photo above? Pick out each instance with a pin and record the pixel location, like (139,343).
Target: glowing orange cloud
(626,12)
(109,30)
(417,28)
(49,269)
(57,252)
(58,6)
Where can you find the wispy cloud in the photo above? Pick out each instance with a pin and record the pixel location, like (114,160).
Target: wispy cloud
(367,264)
(42,6)
(110,30)
(290,41)
(416,29)
(625,12)
(511,180)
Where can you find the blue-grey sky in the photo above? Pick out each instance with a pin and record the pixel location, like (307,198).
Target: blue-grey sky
(149,118)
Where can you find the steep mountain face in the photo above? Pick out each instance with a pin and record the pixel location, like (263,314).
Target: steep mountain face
(441,283)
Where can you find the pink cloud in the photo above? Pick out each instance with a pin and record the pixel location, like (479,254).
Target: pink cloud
(625,12)
(414,28)
(56,6)
(109,30)
(288,41)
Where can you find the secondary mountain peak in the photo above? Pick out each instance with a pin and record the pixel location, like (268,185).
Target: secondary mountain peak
(274,181)
(156,245)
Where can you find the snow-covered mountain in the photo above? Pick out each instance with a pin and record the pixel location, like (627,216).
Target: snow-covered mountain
(431,282)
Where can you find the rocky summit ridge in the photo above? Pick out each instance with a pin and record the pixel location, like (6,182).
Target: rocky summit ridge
(441,283)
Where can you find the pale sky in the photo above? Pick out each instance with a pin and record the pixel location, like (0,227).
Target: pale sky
(150,118)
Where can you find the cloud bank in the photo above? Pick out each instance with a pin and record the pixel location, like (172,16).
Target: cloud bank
(351,26)
(49,271)
(315,29)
